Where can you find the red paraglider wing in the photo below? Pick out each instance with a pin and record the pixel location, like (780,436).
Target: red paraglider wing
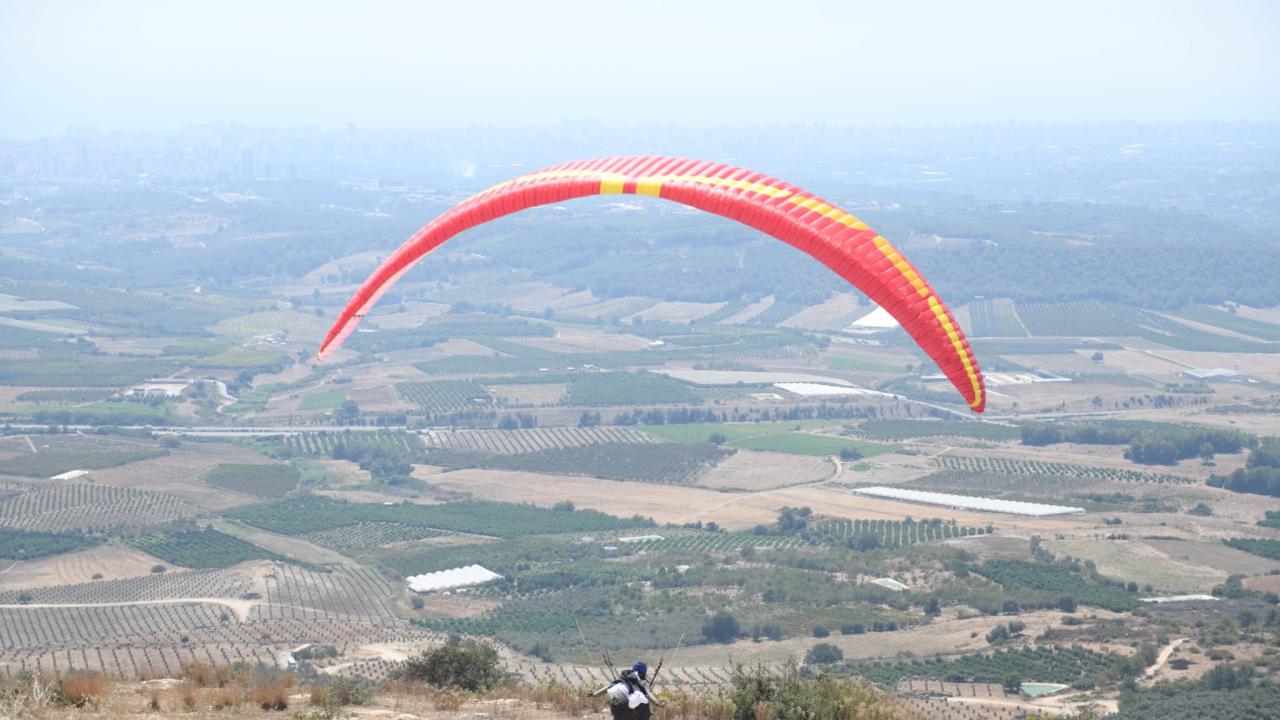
(835,238)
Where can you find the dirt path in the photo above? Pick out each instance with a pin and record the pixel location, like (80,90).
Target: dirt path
(739,497)
(15,564)
(241,608)
(31,444)
(1163,657)
(1108,706)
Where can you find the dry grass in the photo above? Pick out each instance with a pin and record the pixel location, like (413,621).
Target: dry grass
(231,696)
(205,675)
(272,692)
(571,701)
(188,694)
(82,687)
(449,699)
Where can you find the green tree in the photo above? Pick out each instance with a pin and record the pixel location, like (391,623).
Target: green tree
(823,654)
(722,627)
(348,412)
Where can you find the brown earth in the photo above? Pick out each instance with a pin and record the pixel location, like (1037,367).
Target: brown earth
(111,561)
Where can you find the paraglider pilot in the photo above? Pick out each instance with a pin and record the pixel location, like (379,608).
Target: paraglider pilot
(630,696)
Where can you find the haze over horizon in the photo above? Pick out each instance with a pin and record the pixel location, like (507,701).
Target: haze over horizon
(154,66)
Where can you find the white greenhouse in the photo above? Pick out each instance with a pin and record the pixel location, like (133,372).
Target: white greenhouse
(967,502)
(451,579)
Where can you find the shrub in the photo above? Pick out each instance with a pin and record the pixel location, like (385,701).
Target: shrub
(82,687)
(823,654)
(790,693)
(465,665)
(339,692)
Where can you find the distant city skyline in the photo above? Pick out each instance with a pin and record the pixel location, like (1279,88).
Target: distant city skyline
(145,65)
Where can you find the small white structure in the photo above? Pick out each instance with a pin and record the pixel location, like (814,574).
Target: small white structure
(1215,375)
(70,475)
(966,502)
(453,578)
(641,539)
(878,320)
(1178,598)
(161,388)
(890,583)
(804,389)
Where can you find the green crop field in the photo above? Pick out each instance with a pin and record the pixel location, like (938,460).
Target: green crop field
(445,395)
(841,361)
(1063,665)
(705,542)
(1231,321)
(55,462)
(239,357)
(1056,580)
(369,535)
(888,533)
(906,429)
(21,545)
(1012,466)
(1266,548)
(99,413)
(198,549)
(322,443)
(309,514)
(627,388)
(775,436)
(1081,318)
(666,463)
(82,395)
(324,400)
(89,373)
(994,318)
(269,481)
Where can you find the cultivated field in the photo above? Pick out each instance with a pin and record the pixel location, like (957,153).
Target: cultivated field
(85,507)
(104,562)
(532,439)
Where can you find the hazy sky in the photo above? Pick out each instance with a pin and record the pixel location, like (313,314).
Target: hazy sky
(160,65)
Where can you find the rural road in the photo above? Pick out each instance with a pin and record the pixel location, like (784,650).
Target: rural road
(241,608)
(1163,657)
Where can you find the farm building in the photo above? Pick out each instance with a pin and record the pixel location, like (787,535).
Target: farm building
(451,579)
(967,502)
(1215,375)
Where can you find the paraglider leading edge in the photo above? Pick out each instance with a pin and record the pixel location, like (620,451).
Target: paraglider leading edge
(832,236)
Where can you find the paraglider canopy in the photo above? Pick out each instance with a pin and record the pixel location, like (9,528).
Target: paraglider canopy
(834,237)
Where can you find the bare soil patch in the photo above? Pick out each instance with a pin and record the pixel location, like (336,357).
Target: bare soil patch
(180,473)
(838,312)
(733,511)
(750,311)
(677,312)
(112,562)
(750,470)
(949,634)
